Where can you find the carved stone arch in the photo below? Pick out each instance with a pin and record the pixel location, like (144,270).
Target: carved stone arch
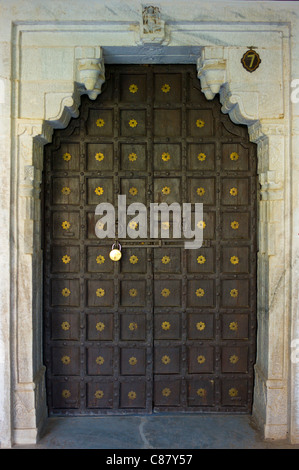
(270,399)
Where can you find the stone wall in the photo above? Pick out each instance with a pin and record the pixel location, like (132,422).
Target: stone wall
(54,52)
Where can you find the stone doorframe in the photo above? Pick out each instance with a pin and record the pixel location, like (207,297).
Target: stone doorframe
(47,98)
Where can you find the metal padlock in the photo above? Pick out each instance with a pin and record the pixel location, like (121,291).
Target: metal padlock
(115,253)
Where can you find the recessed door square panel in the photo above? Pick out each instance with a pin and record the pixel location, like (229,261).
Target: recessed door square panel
(65,360)
(167,87)
(99,190)
(200,359)
(133,260)
(201,260)
(234,392)
(99,394)
(201,156)
(65,225)
(133,361)
(235,191)
(98,260)
(235,259)
(200,122)
(65,259)
(202,190)
(167,360)
(235,293)
(133,327)
(99,360)
(201,293)
(235,225)
(167,326)
(67,157)
(100,123)
(167,260)
(200,326)
(167,392)
(100,293)
(167,157)
(100,157)
(134,189)
(65,191)
(65,394)
(133,88)
(167,122)
(235,326)
(133,293)
(65,326)
(133,156)
(235,157)
(65,292)
(133,394)
(234,359)
(133,122)
(99,326)
(167,190)
(167,293)
(201,392)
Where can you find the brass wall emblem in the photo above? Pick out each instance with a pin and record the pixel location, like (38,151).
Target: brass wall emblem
(250,60)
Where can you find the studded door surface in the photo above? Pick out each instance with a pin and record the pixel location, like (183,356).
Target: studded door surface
(164,328)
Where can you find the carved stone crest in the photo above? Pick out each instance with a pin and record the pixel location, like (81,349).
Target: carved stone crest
(152,28)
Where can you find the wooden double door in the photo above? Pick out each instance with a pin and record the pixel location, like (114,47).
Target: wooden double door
(165,328)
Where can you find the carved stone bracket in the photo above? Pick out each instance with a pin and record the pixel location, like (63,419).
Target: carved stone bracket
(90,71)
(211,70)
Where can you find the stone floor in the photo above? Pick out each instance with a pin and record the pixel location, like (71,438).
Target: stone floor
(163,431)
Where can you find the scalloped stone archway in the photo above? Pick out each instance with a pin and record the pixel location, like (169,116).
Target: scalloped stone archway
(58,101)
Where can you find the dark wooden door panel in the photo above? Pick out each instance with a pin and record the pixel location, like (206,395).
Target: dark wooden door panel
(164,328)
